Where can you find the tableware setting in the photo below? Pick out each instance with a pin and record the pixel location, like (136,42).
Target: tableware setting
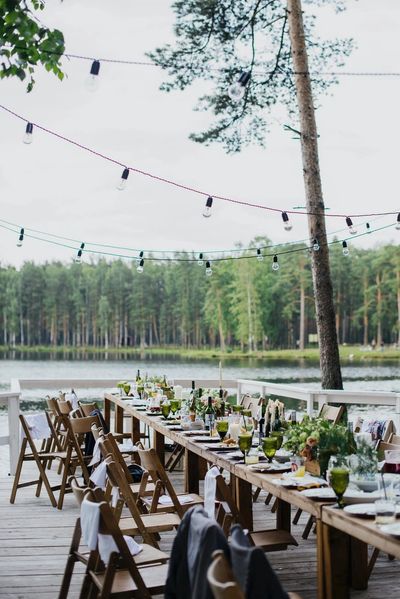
(269,467)
(365,510)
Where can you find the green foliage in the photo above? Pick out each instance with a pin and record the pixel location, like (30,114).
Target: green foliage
(243,307)
(25,42)
(218,39)
(314,435)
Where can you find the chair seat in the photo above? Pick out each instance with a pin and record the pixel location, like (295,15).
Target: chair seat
(154,578)
(150,555)
(273,540)
(150,488)
(152,522)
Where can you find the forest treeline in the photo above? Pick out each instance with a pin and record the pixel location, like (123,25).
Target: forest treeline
(243,304)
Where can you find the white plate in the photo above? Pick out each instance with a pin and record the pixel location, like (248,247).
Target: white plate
(367,510)
(391,529)
(352,496)
(273,468)
(323,493)
(365,484)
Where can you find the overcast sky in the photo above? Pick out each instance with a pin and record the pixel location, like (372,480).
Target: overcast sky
(52,186)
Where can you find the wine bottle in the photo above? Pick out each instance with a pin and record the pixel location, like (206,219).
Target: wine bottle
(221,396)
(192,407)
(276,424)
(209,416)
(138,379)
(267,429)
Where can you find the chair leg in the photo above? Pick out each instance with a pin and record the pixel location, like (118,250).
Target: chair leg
(372,561)
(297,516)
(308,527)
(274,506)
(71,561)
(256,494)
(18,471)
(268,499)
(66,472)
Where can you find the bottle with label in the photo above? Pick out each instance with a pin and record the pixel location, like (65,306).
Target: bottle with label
(276,424)
(209,416)
(138,379)
(267,429)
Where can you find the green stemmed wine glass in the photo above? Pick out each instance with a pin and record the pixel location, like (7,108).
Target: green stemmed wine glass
(278,436)
(245,441)
(165,409)
(339,479)
(222,427)
(175,405)
(269,445)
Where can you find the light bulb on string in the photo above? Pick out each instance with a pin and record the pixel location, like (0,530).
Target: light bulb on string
(21,237)
(315,245)
(237,90)
(398,222)
(260,257)
(345,248)
(92,82)
(207,207)
(368,227)
(139,258)
(275,263)
(200,260)
(78,258)
(124,177)
(349,223)
(140,265)
(28,137)
(286,224)
(208,269)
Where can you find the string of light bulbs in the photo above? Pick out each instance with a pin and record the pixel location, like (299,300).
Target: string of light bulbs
(140,258)
(28,138)
(258,248)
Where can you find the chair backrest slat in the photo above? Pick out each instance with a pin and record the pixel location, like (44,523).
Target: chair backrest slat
(331,413)
(221,579)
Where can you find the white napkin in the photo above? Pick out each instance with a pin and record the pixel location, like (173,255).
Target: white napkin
(96,453)
(210,488)
(127,445)
(73,399)
(38,426)
(90,520)
(107,546)
(99,476)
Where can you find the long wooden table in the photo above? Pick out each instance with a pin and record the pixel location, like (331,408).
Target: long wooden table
(342,540)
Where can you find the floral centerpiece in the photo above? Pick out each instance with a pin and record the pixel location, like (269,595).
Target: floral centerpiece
(317,440)
(202,402)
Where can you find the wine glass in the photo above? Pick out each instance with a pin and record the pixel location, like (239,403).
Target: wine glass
(245,440)
(175,405)
(279,437)
(339,479)
(269,445)
(166,408)
(222,426)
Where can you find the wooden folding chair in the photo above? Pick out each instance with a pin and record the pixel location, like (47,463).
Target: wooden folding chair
(148,555)
(41,458)
(221,579)
(87,408)
(121,577)
(77,428)
(228,513)
(151,463)
(148,526)
(394,439)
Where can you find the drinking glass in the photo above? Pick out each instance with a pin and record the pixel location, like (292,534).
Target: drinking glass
(269,445)
(339,479)
(247,421)
(237,409)
(175,405)
(166,408)
(245,441)
(392,461)
(385,511)
(279,437)
(222,428)
(298,466)
(127,388)
(234,426)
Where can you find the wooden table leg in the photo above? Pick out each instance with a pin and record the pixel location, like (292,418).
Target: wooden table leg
(336,551)
(159,446)
(135,430)
(244,502)
(283,515)
(320,561)
(358,564)
(191,472)
(107,412)
(119,419)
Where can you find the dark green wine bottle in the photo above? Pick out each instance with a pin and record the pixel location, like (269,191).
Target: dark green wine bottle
(209,416)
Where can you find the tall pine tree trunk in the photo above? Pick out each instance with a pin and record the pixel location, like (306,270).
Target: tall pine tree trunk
(331,377)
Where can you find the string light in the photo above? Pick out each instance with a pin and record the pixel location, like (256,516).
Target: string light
(315,245)
(124,178)
(260,257)
(286,224)
(207,207)
(21,237)
(275,263)
(398,222)
(200,260)
(28,138)
(140,266)
(345,248)
(78,258)
(208,269)
(92,82)
(237,90)
(349,223)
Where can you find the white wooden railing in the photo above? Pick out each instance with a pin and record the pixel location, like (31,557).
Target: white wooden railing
(313,398)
